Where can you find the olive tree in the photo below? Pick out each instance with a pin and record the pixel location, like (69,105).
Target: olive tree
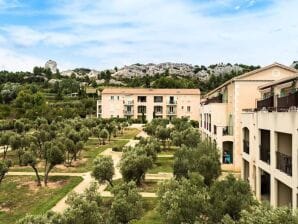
(127,204)
(229,197)
(183,201)
(54,156)
(134,165)
(29,158)
(103,169)
(203,159)
(4,167)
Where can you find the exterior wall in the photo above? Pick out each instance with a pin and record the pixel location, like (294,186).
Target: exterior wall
(242,94)
(276,122)
(115,107)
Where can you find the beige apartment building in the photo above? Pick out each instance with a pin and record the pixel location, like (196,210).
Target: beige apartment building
(270,143)
(222,107)
(149,103)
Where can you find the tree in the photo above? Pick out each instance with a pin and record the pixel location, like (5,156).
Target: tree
(229,196)
(48,218)
(4,142)
(30,159)
(203,159)
(15,142)
(84,208)
(183,201)
(163,134)
(188,137)
(103,134)
(54,156)
(103,169)
(127,204)
(4,167)
(134,164)
(263,214)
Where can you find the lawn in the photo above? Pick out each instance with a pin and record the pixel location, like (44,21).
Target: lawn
(147,186)
(168,151)
(162,164)
(151,215)
(91,150)
(19,196)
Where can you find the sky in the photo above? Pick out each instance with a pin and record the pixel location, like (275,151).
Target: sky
(101,34)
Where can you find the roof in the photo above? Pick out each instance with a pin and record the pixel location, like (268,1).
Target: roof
(151,91)
(252,73)
(280,81)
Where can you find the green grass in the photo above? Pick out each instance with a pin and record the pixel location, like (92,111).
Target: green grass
(91,150)
(150,186)
(164,165)
(20,196)
(150,216)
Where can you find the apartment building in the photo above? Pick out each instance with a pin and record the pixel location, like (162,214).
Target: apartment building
(222,107)
(270,143)
(149,103)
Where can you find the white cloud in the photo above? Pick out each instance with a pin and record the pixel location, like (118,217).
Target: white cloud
(117,32)
(12,61)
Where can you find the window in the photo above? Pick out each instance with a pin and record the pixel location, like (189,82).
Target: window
(188,108)
(158,109)
(142,109)
(142,99)
(112,97)
(118,97)
(158,99)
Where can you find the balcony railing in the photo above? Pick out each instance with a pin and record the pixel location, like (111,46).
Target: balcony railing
(288,101)
(171,112)
(284,163)
(265,103)
(128,102)
(216,99)
(127,112)
(246,146)
(265,154)
(171,102)
(227,130)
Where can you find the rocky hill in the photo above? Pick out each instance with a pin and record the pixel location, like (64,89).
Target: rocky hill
(179,69)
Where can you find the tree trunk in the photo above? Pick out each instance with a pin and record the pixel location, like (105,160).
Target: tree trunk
(5,152)
(1,178)
(46,176)
(20,160)
(111,183)
(37,176)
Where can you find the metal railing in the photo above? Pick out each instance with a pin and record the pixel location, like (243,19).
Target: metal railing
(265,154)
(227,130)
(128,102)
(265,103)
(284,163)
(288,101)
(246,146)
(127,112)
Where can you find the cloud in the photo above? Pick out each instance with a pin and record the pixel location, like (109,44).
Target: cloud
(103,34)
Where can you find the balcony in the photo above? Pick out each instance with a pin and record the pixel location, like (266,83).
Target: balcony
(216,99)
(284,103)
(246,146)
(127,112)
(171,102)
(284,163)
(265,103)
(265,154)
(171,112)
(128,102)
(227,130)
